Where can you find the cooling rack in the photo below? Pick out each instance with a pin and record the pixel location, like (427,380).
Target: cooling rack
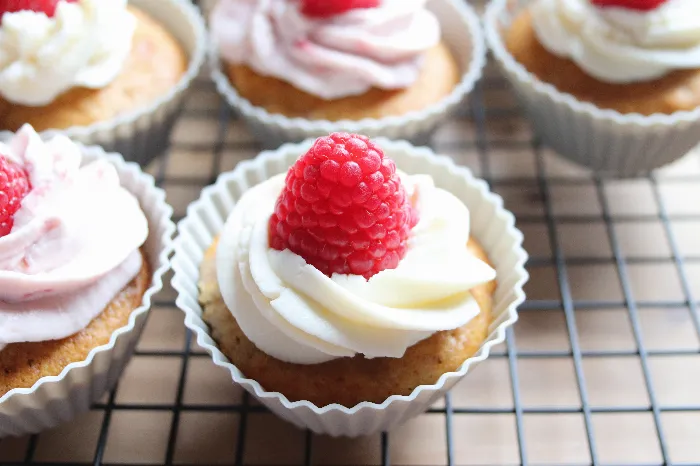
(602,368)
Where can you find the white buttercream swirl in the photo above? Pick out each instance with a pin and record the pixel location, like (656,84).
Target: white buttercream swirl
(74,244)
(333,57)
(85,44)
(293,312)
(620,45)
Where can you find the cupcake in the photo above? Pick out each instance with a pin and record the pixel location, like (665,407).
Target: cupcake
(304,68)
(625,97)
(100,71)
(84,240)
(346,294)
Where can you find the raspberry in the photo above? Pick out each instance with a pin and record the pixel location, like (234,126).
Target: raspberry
(343,208)
(14,186)
(40,6)
(325,8)
(642,5)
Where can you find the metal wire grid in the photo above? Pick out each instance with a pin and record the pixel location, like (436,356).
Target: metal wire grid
(479,114)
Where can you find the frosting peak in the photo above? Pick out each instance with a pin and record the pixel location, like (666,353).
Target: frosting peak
(620,45)
(333,57)
(85,44)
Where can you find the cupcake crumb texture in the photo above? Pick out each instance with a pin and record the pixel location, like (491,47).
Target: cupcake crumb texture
(438,77)
(346,381)
(676,91)
(23,364)
(155,65)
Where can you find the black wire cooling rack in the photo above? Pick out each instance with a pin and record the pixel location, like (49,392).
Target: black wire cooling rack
(476,144)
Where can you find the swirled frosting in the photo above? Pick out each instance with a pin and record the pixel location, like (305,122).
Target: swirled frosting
(619,45)
(74,244)
(293,312)
(85,44)
(334,57)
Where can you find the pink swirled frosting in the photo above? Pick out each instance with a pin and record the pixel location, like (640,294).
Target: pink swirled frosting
(74,244)
(335,57)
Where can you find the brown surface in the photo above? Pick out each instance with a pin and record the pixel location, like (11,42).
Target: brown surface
(677,91)
(22,364)
(437,80)
(347,381)
(156,64)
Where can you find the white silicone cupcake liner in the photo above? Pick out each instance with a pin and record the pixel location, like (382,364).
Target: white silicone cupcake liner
(608,142)
(56,399)
(492,225)
(144,133)
(461,30)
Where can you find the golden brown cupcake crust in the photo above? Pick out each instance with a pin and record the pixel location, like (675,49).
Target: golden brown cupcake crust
(679,90)
(22,364)
(439,76)
(156,64)
(346,381)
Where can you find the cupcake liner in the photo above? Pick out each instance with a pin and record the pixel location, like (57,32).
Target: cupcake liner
(142,134)
(461,30)
(608,142)
(55,399)
(492,225)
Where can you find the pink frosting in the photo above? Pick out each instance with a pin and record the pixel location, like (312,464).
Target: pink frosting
(334,57)
(74,244)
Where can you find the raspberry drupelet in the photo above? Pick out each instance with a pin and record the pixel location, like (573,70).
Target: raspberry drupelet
(47,7)
(14,186)
(343,208)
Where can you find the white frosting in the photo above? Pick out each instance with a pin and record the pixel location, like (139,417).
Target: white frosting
(85,44)
(619,45)
(74,243)
(333,57)
(293,312)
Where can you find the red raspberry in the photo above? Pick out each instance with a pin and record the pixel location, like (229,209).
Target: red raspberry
(343,208)
(14,186)
(40,6)
(642,5)
(325,8)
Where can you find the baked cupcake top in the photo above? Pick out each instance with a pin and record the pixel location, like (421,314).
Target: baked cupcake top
(621,41)
(69,238)
(51,46)
(328,48)
(343,255)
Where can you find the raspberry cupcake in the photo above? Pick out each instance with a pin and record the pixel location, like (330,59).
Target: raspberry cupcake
(347,295)
(100,71)
(625,98)
(305,68)
(84,242)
